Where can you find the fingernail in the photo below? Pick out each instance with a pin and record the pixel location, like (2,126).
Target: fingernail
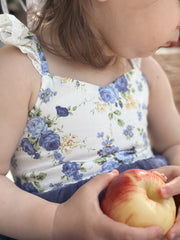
(161,175)
(164,192)
(114,172)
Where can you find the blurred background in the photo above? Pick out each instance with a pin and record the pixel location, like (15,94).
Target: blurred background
(16,9)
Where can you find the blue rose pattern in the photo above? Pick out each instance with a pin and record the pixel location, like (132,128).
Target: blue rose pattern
(121,84)
(27,146)
(62,111)
(109,94)
(36,126)
(50,140)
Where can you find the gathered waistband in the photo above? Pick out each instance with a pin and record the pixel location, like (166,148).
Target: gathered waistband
(63,194)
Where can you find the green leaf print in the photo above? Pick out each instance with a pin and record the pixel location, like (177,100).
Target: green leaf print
(40,177)
(100,161)
(36,112)
(37,184)
(83,169)
(117,112)
(120,123)
(110,115)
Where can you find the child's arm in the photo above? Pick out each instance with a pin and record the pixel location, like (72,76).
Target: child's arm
(24,216)
(163,117)
(164,127)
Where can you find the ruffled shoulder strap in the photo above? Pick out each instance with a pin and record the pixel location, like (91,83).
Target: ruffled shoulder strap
(13,32)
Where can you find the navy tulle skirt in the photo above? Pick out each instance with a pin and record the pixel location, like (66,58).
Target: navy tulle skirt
(63,194)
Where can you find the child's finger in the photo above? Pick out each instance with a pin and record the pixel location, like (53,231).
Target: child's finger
(150,233)
(100,182)
(115,230)
(174,232)
(171,188)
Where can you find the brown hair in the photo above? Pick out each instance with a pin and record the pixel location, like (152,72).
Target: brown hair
(71,22)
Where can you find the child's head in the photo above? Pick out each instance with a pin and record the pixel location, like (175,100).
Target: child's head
(95,31)
(74,28)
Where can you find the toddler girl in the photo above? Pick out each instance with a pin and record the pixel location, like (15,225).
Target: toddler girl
(80,96)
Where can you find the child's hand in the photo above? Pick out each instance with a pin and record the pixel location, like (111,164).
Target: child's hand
(172,188)
(81,217)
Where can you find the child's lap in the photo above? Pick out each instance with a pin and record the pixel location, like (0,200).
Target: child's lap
(63,194)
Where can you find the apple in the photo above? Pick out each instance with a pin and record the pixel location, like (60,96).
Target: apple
(133,198)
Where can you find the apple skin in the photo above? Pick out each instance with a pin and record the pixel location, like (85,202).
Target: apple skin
(133,198)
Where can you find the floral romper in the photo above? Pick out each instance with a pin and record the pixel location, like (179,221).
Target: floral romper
(77,130)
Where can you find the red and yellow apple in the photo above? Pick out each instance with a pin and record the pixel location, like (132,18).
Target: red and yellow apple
(133,197)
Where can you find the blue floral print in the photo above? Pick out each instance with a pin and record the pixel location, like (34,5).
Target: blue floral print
(49,140)
(71,169)
(139,116)
(36,126)
(39,136)
(100,134)
(109,94)
(58,156)
(127,156)
(44,67)
(144,107)
(107,149)
(121,84)
(46,94)
(139,86)
(145,138)
(28,147)
(62,111)
(55,186)
(111,156)
(128,132)
(109,165)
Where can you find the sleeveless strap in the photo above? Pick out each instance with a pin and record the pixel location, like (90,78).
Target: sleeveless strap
(44,66)
(136,63)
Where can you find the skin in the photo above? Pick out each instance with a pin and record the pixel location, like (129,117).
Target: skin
(157,22)
(140,28)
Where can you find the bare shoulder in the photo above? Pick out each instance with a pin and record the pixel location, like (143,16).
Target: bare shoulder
(153,72)
(12,59)
(163,118)
(18,72)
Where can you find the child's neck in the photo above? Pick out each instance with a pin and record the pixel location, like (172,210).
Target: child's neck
(58,66)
